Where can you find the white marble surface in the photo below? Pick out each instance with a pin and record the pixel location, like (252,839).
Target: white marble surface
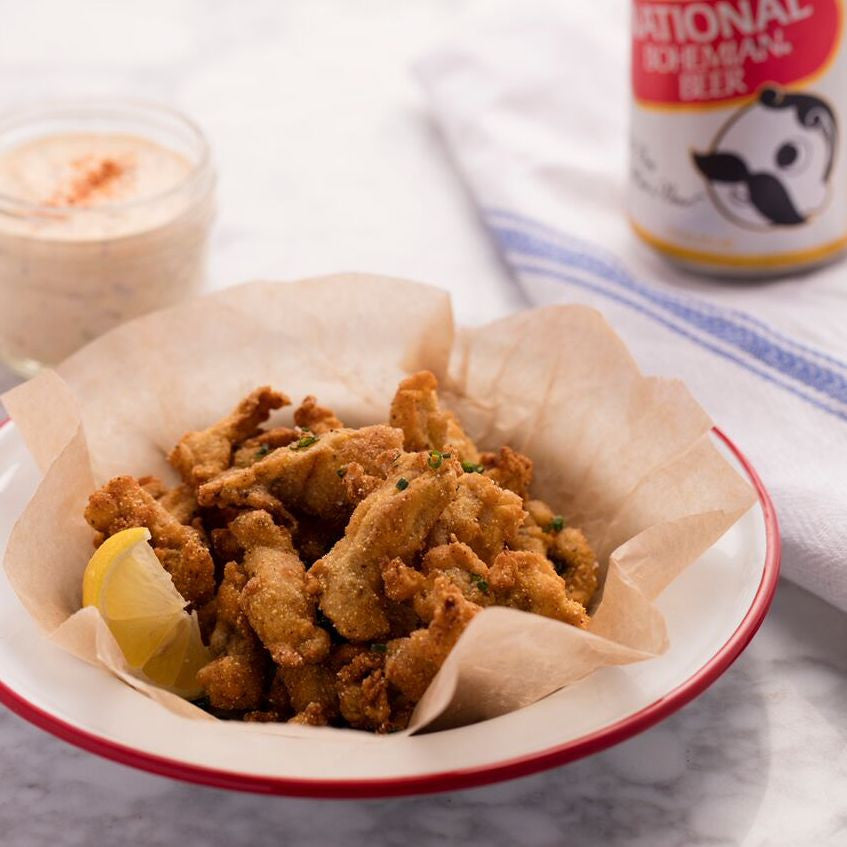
(328,162)
(758,760)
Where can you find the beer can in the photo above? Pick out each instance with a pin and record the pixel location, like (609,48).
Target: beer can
(738,164)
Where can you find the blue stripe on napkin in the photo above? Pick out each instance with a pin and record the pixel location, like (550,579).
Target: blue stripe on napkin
(730,333)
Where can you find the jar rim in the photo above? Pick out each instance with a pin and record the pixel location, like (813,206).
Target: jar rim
(21,117)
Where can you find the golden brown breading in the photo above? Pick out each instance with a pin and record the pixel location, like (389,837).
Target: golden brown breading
(568,548)
(201,455)
(262,716)
(260,445)
(275,600)
(312,715)
(541,513)
(455,556)
(455,562)
(180,500)
(571,550)
(531,538)
(509,469)
(462,567)
(481,515)
(318,419)
(426,426)
(359,484)
(528,581)
(400,582)
(410,532)
(123,503)
(308,474)
(363,692)
(232,682)
(154,486)
(532,534)
(413,662)
(392,522)
(235,678)
(311,685)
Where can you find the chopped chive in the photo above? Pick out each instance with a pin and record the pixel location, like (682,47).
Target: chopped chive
(304,442)
(470,467)
(480,582)
(556,525)
(263,451)
(341,473)
(435,459)
(379,648)
(402,483)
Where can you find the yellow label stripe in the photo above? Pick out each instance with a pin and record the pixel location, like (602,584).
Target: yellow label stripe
(785,259)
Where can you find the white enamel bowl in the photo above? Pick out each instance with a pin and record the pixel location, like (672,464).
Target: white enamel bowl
(712,611)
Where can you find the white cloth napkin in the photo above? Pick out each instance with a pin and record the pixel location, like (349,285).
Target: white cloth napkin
(533,109)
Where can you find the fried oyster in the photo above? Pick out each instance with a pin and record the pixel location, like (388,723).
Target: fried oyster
(123,503)
(274,599)
(201,455)
(333,568)
(393,521)
(308,474)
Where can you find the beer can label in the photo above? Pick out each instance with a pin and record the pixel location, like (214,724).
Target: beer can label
(738,139)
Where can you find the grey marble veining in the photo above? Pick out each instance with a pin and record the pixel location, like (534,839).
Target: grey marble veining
(759,760)
(328,162)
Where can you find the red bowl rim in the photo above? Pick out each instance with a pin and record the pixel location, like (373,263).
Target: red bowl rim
(454,779)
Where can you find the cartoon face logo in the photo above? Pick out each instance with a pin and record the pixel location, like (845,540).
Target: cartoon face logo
(770,164)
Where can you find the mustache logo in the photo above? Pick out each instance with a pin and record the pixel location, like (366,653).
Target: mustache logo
(767,193)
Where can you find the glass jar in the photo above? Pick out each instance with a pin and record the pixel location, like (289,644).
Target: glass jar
(105,212)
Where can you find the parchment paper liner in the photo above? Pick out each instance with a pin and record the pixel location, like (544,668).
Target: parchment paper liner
(626,457)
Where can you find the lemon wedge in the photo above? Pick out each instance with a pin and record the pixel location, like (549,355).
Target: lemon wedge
(144,611)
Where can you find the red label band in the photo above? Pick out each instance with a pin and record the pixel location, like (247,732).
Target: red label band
(711,51)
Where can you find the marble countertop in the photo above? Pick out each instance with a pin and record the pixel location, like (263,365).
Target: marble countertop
(760,760)
(328,162)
